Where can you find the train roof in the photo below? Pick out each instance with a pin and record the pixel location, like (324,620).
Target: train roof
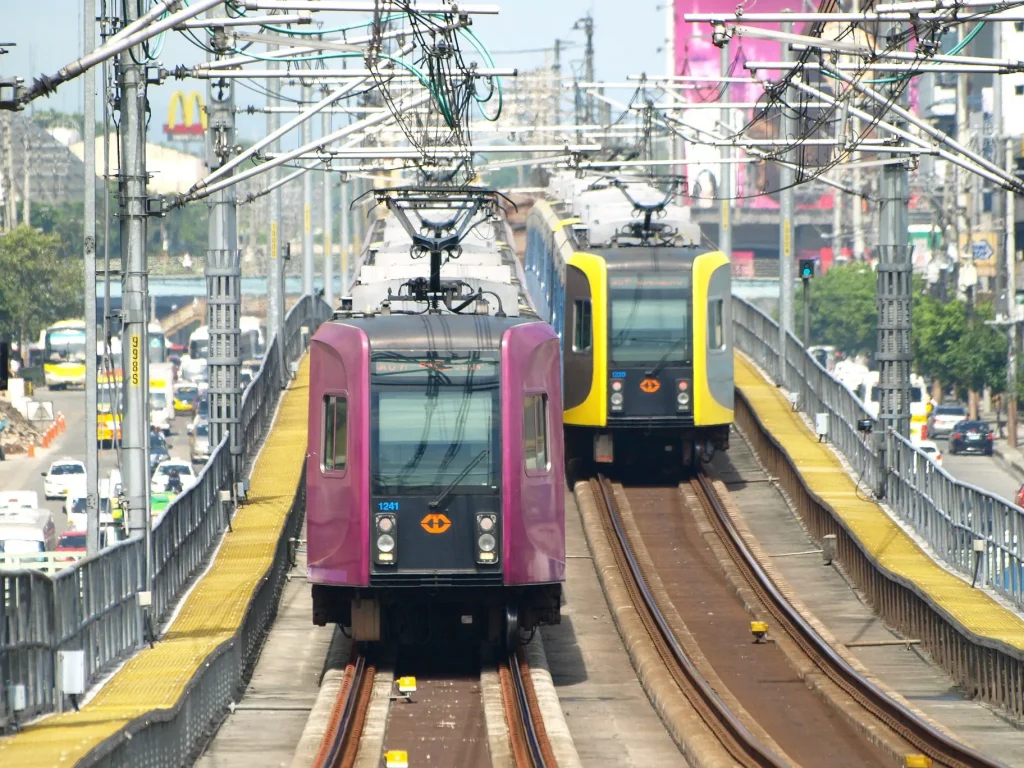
(436,334)
(649,258)
(608,210)
(483,261)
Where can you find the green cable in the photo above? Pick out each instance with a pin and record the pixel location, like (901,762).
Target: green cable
(885,80)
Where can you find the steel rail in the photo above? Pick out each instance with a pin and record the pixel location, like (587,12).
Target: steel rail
(907,724)
(744,746)
(531,747)
(341,736)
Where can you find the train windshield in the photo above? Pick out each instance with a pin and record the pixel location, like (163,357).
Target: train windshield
(435,422)
(650,318)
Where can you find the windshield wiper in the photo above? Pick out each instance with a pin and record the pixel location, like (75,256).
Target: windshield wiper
(476,460)
(664,358)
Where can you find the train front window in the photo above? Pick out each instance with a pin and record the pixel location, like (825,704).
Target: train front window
(435,423)
(650,319)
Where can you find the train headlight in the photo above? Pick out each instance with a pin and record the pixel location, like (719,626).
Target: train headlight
(617,399)
(386,530)
(486,542)
(683,399)
(485,523)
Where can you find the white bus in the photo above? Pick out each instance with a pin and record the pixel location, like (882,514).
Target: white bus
(64,354)
(868,393)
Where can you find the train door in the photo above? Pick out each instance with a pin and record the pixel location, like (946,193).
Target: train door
(578,341)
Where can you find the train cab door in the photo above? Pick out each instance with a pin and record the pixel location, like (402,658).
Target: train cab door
(578,341)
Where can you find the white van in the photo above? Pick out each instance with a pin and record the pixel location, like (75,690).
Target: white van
(19,500)
(26,531)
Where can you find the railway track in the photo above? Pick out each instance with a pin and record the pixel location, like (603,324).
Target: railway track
(447,721)
(737,739)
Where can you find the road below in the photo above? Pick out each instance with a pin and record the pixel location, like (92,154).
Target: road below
(985,472)
(21,473)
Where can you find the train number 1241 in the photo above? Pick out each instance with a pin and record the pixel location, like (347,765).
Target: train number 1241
(387,506)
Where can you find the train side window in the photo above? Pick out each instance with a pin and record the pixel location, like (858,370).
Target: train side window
(335,432)
(535,432)
(582,335)
(716,327)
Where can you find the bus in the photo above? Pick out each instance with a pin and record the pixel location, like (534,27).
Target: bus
(157,343)
(919,401)
(109,406)
(251,343)
(64,354)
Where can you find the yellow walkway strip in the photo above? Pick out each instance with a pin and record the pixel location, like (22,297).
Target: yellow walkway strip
(883,538)
(155,678)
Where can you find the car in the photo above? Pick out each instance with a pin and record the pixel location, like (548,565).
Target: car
(185,394)
(64,476)
(158,502)
(75,510)
(157,450)
(943,418)
(202,411)
(1019,498)
(971,437)
(162,475)
(199,443)
(73,543)
(931,450)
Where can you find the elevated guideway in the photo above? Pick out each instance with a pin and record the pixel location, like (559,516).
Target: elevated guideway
(939,560)
(217,628)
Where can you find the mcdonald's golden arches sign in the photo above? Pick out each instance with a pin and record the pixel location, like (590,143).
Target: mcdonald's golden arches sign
(192,111)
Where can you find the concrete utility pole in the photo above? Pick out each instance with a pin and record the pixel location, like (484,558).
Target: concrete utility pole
(223,263)
(894,271)
(725,175)
(308,264)
(556,91)
(134,293)
(346,232)
(328,226)
(7,172)
(92,457)
(275,264)
(587,25)
(26,184)
(1010,211)
(787,179)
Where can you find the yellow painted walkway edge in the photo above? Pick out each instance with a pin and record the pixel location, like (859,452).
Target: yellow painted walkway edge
(155,679)
(884,540)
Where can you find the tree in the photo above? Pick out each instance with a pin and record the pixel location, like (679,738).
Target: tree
(843,309)
(37,287)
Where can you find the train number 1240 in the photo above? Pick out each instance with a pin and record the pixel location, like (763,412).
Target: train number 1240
(387,506)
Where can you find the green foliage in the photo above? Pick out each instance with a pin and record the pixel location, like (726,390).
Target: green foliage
(37,286)
(960,353)
(843,309)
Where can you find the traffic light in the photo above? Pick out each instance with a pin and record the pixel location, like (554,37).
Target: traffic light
(806,269)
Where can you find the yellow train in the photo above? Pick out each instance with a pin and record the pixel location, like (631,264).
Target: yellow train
(643,312)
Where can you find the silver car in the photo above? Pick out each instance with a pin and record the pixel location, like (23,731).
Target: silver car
(200,443)
(943,419)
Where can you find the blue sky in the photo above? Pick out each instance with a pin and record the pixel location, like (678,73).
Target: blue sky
(627,39)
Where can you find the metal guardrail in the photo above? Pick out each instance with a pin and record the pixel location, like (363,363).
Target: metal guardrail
(93,604)
(45,562)
(949,514)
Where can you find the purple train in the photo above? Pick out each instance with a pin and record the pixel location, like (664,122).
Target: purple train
(434,480)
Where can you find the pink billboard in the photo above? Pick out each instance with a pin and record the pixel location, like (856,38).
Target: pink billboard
(697,56)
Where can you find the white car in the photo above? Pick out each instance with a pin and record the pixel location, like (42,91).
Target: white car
(162,474)
(66,477)
(77,516)
(931,450)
